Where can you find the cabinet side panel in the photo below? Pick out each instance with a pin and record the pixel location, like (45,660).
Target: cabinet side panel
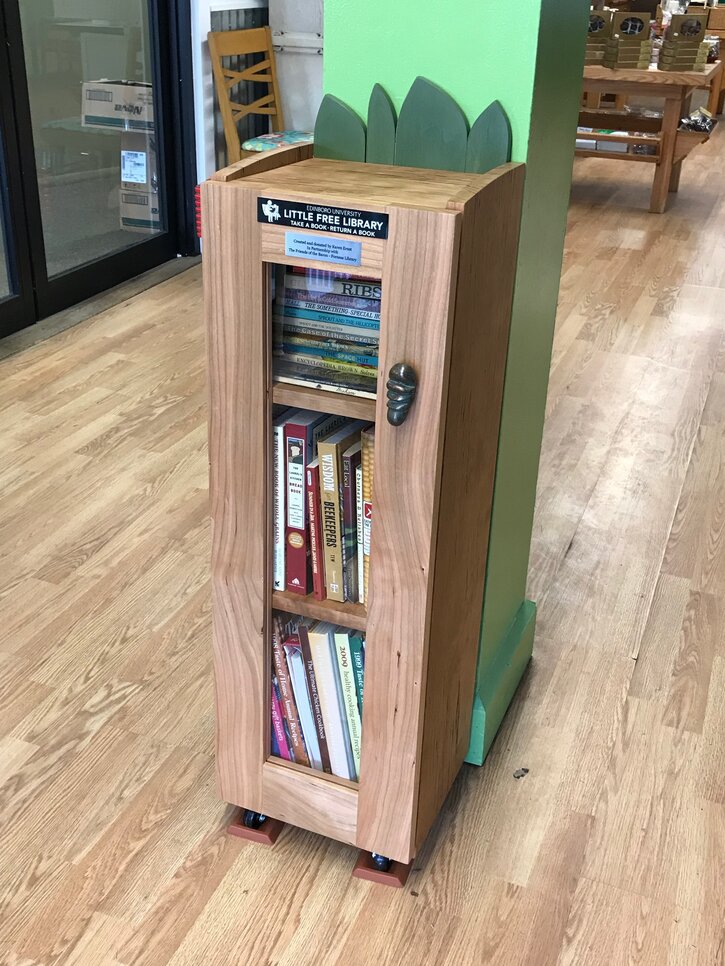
(237,364)
(487,266)
(418,279)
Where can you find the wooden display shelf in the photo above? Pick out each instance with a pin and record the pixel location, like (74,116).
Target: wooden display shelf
(451,242)
(675,89)
(687,141)
(321,401)
(617,155)
(348,615)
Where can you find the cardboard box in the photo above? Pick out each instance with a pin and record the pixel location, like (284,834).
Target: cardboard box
(123,105)
(139,162)
(140,211)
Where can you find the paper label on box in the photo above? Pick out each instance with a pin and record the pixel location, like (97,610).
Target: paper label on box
(337,250)
(133,167)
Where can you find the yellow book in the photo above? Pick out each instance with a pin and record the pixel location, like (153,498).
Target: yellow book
(368,465)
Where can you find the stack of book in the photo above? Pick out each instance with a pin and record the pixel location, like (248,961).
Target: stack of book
(318,673)
(684,47)
(326,330)
(323,473)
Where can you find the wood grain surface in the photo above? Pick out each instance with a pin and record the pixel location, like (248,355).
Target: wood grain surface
(416,315)
(609,851)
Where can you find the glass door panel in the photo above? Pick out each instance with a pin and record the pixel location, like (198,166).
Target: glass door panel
(5,289)
(93,113)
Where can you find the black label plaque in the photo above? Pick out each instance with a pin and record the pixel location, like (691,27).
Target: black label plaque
(340,221)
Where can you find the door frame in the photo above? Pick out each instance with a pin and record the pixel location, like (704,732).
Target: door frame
(172,89)
(19,306)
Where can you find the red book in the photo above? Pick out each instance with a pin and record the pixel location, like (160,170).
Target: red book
(278,723)
(313,513)
(301,432)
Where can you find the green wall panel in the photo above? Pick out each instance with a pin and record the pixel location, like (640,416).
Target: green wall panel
(529,56)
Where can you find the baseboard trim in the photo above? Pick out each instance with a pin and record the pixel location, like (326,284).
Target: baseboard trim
(499,681)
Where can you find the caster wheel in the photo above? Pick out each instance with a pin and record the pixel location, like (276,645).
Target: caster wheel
(380,862)
(253,819)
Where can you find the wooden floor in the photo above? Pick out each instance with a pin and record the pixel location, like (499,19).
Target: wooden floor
(611,850)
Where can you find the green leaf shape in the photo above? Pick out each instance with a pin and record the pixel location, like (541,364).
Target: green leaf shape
(432,129)
(381,128)
(489,143)
(339,132)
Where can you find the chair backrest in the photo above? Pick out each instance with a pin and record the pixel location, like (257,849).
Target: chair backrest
(239,43)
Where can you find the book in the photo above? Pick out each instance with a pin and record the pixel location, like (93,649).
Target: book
(367,438)
(324,658)
(295,663)
(321,362)
(350,463)
(326,352)
(338,345)
(359,521)
(324,379)
(332,318)
(314,280)
(302,633)
(315,525)
(357,651)
(278,732)
(329,451)
(349,693)
(324,330)
(331,304)
(301,430)
(279,498)
(289,705)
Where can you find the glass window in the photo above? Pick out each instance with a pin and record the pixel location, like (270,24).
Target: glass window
(92,108)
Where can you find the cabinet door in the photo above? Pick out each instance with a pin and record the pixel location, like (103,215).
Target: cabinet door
(419,272)
(234,296)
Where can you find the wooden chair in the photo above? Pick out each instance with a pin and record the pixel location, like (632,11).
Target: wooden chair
(241,43)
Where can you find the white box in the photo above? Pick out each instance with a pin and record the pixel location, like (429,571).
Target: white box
(122,105)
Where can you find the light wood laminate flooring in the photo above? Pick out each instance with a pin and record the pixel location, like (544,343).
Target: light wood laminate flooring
(611,850)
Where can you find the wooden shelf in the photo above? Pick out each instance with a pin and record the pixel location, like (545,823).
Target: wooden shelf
(617,156)
(321,401)
(349,615)
(313,772)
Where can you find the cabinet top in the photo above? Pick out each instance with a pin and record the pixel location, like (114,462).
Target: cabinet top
(373,184)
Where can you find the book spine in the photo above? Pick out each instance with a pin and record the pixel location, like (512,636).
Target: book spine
(279,508)
(288,699)
(331,519)
(278,726)
(349,695)
(355,349)
(368,465)
(336,365)
(311,380)
(325,331)
(332,317)
(359,554)
(298,573)
(349,529)
(326,352)
(296,667)
(357,653)
(313,513)
(336,308)
(314,697)
(350,286)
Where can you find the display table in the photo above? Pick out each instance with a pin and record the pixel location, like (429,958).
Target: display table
(671,146)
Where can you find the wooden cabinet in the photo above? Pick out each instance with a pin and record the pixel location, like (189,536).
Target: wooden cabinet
(447,269)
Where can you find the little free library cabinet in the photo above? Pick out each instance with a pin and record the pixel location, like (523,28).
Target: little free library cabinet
(362,305)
